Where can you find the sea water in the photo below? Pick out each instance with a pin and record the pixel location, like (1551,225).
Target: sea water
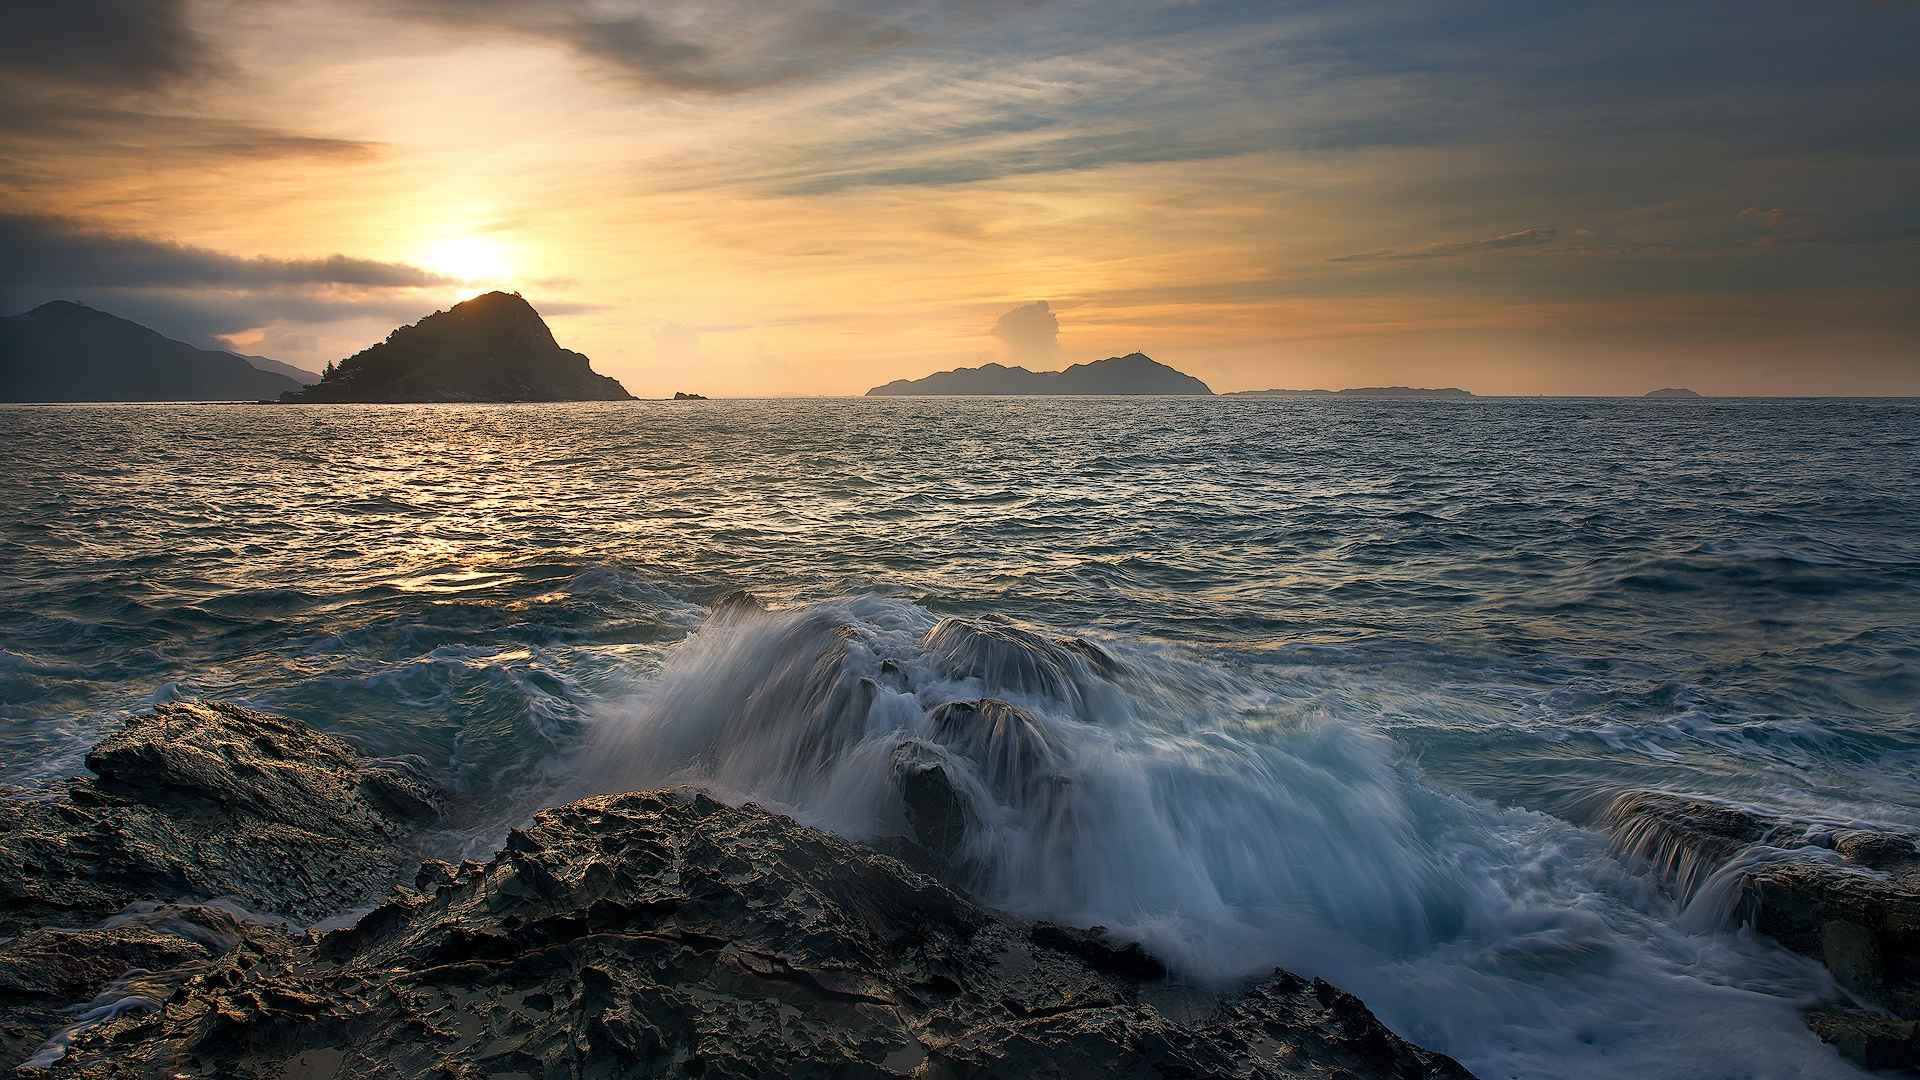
(1342,685)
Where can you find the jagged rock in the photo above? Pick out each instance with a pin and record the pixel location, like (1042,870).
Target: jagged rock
(682,395)
(204,800)
(51,979)
(663,933)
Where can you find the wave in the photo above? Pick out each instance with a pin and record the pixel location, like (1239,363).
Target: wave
(1168,798)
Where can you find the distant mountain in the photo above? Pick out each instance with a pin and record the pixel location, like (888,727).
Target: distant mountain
(1671,391)
(63,351)
(279,367)
(1134,373)
(1364,391)
(493,347)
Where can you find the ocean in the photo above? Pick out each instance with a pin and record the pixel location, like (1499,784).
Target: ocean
(1348,685)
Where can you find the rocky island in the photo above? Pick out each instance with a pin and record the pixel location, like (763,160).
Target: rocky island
(64,351)
(1671,392)
(1132,374)
(492,348)
(1364,391)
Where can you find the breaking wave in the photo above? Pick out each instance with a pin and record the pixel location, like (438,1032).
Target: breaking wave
(1161,795)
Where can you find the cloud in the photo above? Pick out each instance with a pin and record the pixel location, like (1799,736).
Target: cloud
(85,82)
(54,252)
(1030,332)
(103,44)
(1524,238)
(687,47)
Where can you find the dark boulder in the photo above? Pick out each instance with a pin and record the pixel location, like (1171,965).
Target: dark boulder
(937,813)
(665,934)
(202,800)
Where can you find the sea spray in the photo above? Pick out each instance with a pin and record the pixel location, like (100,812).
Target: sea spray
(1154,792)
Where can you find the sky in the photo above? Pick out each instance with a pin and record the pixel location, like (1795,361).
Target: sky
(818,196)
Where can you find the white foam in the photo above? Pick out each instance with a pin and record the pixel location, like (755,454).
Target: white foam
(1230,837)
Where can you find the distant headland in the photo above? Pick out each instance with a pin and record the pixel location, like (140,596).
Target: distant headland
(65,351)
(492,348)
(1364,391)
(1671,392)
(1133,374)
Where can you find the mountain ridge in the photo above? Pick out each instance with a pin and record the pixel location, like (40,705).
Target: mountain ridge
(64,350)
(1363,391)
(1135,373)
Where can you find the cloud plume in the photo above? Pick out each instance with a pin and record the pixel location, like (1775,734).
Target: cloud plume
(1030,332)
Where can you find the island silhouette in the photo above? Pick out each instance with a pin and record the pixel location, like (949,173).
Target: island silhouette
(67,351)
(492,348)
(1134,373)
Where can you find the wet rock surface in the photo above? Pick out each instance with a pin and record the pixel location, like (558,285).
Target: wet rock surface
(666,934)
(1849,898)
(204,800)
(53,980)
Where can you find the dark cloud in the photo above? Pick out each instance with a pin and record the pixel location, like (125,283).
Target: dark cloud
(1524,238)
(703,48)
(1030,332)
(102,44)
(85,82)
(51,252)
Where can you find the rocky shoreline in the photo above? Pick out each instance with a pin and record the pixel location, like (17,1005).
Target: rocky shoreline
(655,933)
(161,918)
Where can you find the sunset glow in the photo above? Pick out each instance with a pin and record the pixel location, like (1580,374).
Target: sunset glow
(1260,194)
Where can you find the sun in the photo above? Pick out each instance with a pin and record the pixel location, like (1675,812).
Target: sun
(470,260)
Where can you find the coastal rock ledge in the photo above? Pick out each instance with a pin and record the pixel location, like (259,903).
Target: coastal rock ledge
(661,933)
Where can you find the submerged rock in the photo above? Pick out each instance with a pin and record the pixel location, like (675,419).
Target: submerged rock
(1010,660)
(204,800)
(663,933)
(736,606)
(1011,750)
